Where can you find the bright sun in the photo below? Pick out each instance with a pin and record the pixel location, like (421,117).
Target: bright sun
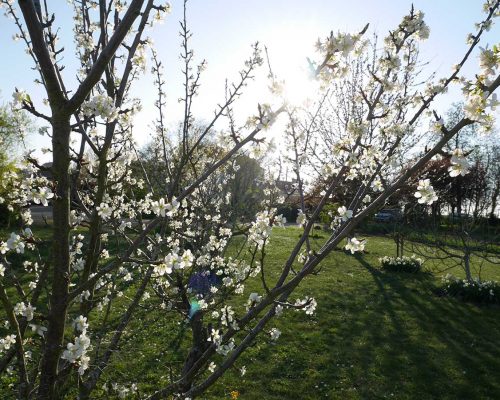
(299,86)
(289,63)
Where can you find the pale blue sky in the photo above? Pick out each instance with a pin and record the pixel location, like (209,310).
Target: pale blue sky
(224,29)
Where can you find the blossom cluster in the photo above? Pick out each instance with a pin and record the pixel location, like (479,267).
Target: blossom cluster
(221,348)
(341,44)
(14,243)
(479,101)
(7,342)
(25,310)
(263,120)
(174,261)
(76,353)
(261,228)
(160,208)
(344,213)
(425,192)
(301,218)
(122,391)
(102,106)
(355,245)
(19,97)
(308,304)
(414,24)
(459,164)
(253,299)
(22,189)
(274,333)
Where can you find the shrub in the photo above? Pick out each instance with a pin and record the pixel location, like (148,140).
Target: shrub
(325,216)
(401,264)
(289,212)
(475,290)
(376,228)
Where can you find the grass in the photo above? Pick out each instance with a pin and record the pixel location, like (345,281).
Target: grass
(374,335)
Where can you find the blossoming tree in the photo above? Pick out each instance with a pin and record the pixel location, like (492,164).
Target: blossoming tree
(116,249)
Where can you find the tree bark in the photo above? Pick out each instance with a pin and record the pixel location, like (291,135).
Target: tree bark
(494,198)
(199,345)
(468,274)
(60,256)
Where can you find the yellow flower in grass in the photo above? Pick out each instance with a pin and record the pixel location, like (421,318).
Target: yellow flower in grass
(235,394)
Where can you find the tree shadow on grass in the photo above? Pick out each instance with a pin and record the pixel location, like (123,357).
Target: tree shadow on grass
(418,343)
(386,335)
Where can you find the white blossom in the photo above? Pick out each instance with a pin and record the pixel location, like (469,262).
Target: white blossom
(42,196)
(75,353)
(16,243)
(279,310)
(344,213)
(274,333)
(80,323)
(353,245)
(19,97)
(425,192)
(459,164)
(261,228)
(301,218)
(101,106)
(6,342)
(308,304)
(488,60)
(104,211)
(159,207)
(38,329)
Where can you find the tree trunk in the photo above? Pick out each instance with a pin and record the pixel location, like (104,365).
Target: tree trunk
(95,224)
(459,192)
(494,198)
(199,345)
(468,274)
(60,257)
(397,244)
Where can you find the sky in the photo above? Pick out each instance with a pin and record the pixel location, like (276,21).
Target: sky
(223,31)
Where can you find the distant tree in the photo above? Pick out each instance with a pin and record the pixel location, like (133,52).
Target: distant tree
(468,135)
(454,192)
(466,240)
(14,124)
(247,187)
(493,178)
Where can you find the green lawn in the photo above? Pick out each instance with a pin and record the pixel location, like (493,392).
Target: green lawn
(375,335)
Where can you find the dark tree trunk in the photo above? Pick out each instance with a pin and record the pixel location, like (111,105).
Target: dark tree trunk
(198,347)
(468,273)
(494,198)
(60,257)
